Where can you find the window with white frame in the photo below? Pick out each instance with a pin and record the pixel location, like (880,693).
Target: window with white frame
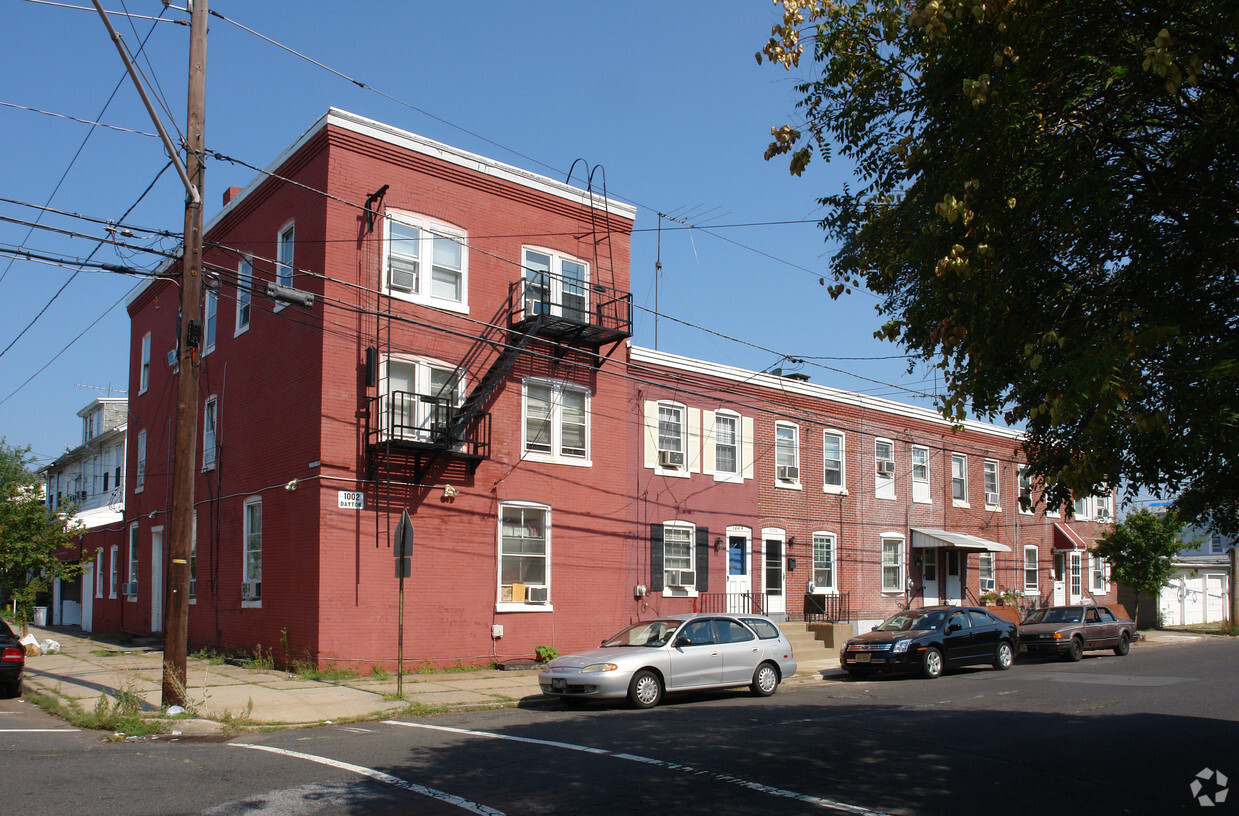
(253,539)
(786,454)
(420,399)
(210,320)
(833,476)
(1026,496)
(1216,547)
(284,256)
(426,262)
(556,420)
(245,294)
(99,573)
(892,564)
(133,561)
(144,373)
(726,444)
(884,467)
(1099,570)
(1031,570)
(140,477)
(193,558)
(959,479)
(991,484)
(1081,509)
(556,285)
(824,562)
(524,553)
(113,571)
(1103,510)
(920,474)
(985,571)
(679,570)
(671,436)
(209,410)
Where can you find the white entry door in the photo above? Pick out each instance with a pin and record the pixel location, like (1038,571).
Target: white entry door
(953,589)
(776,602)
(929,576)
(739,574)
(1075,578)
(1060,578)
(157,580)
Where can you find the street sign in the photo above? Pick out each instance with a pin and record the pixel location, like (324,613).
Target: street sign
(402,544)
(351,500)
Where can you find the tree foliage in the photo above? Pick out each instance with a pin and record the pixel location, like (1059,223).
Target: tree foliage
(31,535)
(1140,549)
(1046,205)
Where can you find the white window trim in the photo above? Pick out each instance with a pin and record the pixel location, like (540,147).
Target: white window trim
(833,588)
(917,497)
(139,483)
(210,411)
(193,557)
(993,572)
(1098,565)
(884,539)
(677,524)
(282,277)
(245,546)
(210,320)
(787,484)
(512,606)
(245,296)
(133,556)
(556,282)
(685,437)
(711,439)
(98,573)
(840,489)
(144,371)
(423,365)
(556,456)
(964,501)
(114,571)
(1033,590)
(1020,474)
(424,296)
(884,486)
(996,504)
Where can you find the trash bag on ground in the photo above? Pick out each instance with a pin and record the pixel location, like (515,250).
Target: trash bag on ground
(31,645)
(49,646)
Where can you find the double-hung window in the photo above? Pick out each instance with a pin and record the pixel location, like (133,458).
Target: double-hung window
(1025,492)
(726,444)
(959,479)
(284,256)
(133,561)
(920,474)
(1081,509)
(420,400)
(99,573)
(210,320)
(824,562)
(832,462)
(786,454)
(426,263)
(1031,586)
(556,285)
(672,446)
(678,557)
(208,433)
(141,474)
(524,553)
(1099,572)
(892,564)
(884,468)
(144,373)
(245,294)
(113,571)
(556,421)
(991,485)
(253,539)
(985,571)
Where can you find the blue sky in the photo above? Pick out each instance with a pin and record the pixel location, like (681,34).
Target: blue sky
(665,96)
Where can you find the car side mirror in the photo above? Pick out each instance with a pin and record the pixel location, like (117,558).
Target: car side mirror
(682,641)
(954,627)
(873,628)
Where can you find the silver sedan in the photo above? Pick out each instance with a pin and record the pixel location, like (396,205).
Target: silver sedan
(674,653)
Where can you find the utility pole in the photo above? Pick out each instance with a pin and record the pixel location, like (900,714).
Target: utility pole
(184,458)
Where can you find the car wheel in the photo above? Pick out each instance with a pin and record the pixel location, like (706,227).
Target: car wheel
(765,681)
(931,663)
(1124,645)
(1003,656)
(1075,649)
(645,690)
(13,690)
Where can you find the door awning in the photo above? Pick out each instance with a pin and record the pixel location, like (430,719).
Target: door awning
(1066,538)
(926,537)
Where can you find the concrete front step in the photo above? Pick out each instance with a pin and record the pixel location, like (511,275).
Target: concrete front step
(812,641)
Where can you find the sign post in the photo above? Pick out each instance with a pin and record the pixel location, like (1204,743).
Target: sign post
(402,548)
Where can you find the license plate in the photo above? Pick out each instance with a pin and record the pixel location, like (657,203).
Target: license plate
(1023,647)
(558,684)
(863,657)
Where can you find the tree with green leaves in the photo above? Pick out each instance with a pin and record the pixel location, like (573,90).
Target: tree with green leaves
(33,538)
(1045,204)
(1140,550)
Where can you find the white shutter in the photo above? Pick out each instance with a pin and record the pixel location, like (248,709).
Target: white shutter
(693,454)
(746,447)
(707,442)
(650,436)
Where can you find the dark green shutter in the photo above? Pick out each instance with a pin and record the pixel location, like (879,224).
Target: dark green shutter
(656,558)
(703,559)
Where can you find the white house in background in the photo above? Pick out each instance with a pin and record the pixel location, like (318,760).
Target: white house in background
(1199,589)
(90,477)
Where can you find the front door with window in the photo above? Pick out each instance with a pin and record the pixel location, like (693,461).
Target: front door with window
(929,577)
(1075,579)
(953,589)
(776,603)
(1060,578)
(739,576)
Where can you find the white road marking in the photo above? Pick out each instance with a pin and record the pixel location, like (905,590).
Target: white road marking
(37,730)
(395,781)
(673,766)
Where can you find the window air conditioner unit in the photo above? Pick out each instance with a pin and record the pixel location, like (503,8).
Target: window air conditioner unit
(251,591)
(129,588)
(669,458)
(886,467)
(787,473)
(683,578)
(538,595)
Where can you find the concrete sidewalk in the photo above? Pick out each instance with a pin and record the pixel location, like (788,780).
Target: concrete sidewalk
(228,698)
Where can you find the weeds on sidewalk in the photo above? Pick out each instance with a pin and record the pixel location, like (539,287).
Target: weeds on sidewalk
(123,716)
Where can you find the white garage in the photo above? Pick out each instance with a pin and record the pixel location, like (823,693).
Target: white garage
(1198,592)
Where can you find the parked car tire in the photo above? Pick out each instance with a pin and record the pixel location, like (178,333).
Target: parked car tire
(1003,656)
(13,690)
(645,690)
(931,663)
(765,680)
(1124,645)
(1075,649)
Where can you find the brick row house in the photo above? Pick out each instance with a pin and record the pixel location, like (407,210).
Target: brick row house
(393,324)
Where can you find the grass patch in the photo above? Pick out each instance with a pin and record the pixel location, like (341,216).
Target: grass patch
(210,656)
(379,673)
(123,716)
(457,668)
(330,674)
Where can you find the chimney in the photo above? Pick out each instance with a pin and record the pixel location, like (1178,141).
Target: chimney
(230,194)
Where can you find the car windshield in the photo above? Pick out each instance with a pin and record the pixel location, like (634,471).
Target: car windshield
(1057,614)
(904,621)
(644,633)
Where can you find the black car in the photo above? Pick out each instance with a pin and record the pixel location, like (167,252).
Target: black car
(931,639)
(12,661)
